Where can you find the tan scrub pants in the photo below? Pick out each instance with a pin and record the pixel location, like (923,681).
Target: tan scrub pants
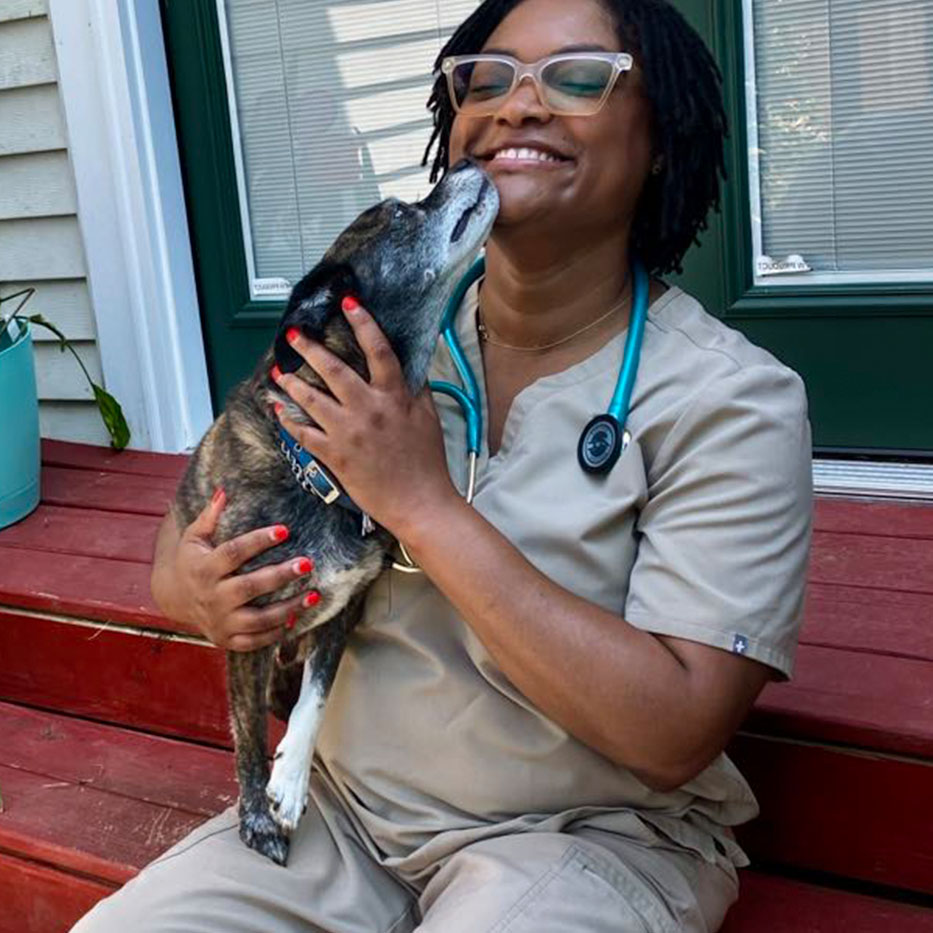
(534,882)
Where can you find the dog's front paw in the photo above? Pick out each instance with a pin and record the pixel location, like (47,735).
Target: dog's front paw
(261,833)
(287,790)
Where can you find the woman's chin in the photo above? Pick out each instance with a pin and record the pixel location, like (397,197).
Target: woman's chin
(517,211)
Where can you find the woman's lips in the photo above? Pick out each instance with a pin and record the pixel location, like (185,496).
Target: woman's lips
(524,158)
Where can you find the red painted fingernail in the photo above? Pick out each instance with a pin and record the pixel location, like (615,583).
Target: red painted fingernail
(278,406)
(350,304)
(291,620)
(275,373)
(292,334)
(312,599)
(280,533)
(218,496)
(303,565)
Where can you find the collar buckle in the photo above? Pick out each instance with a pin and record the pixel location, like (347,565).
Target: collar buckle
(315,476)
(311,476)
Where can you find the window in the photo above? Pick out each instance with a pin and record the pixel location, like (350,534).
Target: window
(327,111)
(840,117)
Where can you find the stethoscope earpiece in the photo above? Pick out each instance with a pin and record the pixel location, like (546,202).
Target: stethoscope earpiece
(601,444)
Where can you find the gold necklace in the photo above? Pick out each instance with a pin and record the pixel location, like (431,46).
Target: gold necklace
(486,337)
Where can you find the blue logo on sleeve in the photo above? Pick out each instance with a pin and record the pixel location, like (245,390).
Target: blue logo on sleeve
(739,644)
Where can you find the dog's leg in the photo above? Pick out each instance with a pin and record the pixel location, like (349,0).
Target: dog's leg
(248,676)
(287,789)
(285,685)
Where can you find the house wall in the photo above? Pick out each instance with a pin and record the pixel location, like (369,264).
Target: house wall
(40,240)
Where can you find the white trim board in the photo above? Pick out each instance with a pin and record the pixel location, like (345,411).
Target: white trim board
(121,138)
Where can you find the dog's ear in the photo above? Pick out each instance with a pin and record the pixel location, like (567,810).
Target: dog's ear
(313,301)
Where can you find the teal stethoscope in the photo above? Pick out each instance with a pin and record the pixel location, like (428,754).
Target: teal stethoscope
(605,436)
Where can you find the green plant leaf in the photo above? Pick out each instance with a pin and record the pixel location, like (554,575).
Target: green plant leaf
(112,414)
(48,325)
(107,405)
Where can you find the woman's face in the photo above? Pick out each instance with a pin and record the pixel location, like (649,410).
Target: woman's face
(604,158)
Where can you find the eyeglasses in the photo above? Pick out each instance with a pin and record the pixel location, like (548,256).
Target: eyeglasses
(571,84)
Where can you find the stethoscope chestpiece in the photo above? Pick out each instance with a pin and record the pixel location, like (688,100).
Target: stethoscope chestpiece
(601,444)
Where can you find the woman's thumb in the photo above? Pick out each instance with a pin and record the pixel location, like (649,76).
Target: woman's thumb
(206,522)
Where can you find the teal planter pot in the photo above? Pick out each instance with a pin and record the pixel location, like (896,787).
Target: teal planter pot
(19,428)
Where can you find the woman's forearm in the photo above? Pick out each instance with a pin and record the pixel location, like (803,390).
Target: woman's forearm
(611,685)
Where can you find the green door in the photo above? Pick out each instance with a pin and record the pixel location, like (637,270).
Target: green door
(862,341)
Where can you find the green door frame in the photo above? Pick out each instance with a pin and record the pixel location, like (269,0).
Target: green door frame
(236,328)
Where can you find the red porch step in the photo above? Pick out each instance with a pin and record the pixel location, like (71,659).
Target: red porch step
(840,758)
(84,814)
(776,905)
(86,806)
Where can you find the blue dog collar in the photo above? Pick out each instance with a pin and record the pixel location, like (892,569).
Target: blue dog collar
(312,477)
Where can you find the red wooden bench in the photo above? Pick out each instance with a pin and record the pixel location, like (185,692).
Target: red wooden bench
(114,742)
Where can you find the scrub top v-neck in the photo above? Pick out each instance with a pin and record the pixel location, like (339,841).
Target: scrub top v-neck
(609,354)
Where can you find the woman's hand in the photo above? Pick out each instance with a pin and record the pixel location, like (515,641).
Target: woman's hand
(196,583)
(383,445)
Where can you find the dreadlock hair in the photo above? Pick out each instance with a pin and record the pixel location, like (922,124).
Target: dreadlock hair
(684,87)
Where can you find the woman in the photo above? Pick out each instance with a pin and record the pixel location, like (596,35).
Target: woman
(529,735)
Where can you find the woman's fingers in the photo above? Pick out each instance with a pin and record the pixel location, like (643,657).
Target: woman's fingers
(341,379)
(384,367)
(228,557)
(204,525)
(253,628)
(240,642)
(385,370)
(312,439)
(243,588)
(320,406)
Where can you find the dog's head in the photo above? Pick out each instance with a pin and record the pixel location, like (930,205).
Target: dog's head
(401,262)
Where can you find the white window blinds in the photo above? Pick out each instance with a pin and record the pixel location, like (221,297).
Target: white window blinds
(327,104)
(840,112)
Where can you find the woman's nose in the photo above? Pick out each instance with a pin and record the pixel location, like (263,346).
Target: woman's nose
(523,103)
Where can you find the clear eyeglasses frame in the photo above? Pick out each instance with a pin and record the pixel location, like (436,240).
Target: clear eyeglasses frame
(568,84)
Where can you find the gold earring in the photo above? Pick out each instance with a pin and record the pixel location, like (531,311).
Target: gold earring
(657,167)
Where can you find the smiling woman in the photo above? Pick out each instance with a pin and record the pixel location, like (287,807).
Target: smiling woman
(530,733)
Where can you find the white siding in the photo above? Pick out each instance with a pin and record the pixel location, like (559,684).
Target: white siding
(40,241)
(27,56)
(36,184)
(66,302)
(31,118)
(22,9)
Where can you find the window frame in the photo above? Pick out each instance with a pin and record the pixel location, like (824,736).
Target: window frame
(206,127)
(756,208)
(746,300)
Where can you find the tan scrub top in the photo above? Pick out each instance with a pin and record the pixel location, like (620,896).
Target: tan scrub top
(701,531)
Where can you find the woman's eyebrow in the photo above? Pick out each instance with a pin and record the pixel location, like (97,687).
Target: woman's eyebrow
(585,47)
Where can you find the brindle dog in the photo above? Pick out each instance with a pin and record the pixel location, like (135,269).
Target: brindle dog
(402,262)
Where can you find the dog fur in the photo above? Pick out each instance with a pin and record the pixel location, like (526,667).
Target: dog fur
(402,263)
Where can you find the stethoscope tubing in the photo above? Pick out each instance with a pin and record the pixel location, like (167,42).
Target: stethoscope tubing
(622,397)
(469,399)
